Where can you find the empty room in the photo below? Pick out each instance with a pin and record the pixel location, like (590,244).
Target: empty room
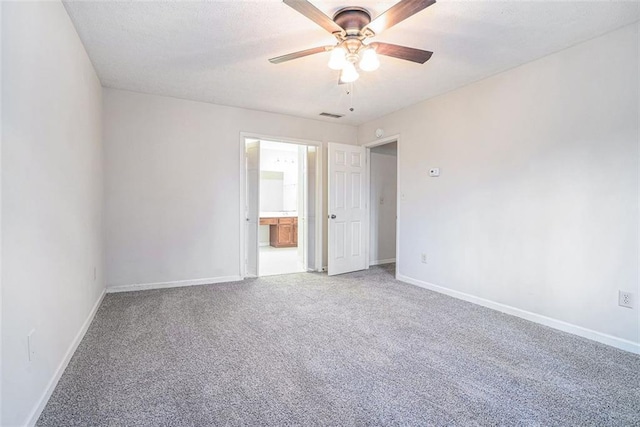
(320,212)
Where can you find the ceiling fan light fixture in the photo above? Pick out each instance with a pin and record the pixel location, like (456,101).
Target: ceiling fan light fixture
(349,73)
(352,26)
(338,58)
(369,61)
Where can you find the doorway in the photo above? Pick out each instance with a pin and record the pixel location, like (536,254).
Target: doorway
(384,197)
(281,237)
(383,200)
(280,206)
(363,205)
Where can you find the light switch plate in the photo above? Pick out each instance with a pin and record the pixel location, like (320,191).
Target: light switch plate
(434,172)
(31,346)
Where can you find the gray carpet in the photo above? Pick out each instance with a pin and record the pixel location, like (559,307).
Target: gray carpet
(357,349)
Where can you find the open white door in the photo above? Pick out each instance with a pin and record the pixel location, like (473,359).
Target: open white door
(311,194)
(348,210)
(252,206)
(302,205)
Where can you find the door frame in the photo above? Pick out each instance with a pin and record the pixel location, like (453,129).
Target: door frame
(243,195)
(369,146)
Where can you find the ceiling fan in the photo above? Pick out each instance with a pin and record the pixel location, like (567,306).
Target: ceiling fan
(352,26)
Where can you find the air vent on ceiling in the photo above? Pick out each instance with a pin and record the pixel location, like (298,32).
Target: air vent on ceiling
(333,116)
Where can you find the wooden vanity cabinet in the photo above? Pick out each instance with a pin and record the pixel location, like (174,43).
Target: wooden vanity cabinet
(283,232)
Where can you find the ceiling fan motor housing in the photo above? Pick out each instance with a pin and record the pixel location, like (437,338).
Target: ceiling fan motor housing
(353,20)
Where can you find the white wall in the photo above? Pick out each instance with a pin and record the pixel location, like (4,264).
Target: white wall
(536,207)
(271,191)
(279,194)
(383,202)
(172,183)
(1,137)
(51,199)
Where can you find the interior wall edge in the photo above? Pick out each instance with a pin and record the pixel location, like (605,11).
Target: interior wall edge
(53,382)
(382,261)
(590,334)
(173,284)
(536,152)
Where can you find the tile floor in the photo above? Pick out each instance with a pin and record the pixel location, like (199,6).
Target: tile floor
(279,261)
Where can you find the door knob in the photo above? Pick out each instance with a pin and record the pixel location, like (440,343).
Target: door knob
(332,217)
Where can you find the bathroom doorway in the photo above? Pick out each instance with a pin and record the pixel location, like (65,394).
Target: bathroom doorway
(280,209)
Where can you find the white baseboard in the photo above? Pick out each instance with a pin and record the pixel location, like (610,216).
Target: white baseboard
(383,261)
(42,402)
(620,343)
(176,284)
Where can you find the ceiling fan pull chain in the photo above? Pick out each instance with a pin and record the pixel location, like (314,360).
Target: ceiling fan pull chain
(351,97)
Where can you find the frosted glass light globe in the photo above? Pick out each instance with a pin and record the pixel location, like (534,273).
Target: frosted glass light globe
(338,58)
(349,73)
(369,61)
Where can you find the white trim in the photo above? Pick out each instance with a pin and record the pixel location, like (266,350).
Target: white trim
(600,337)
(243,189)
(271,138)
(1,91)
(393,138)
(44,398)
(175,284)
(383,261)
(382,141)
(1,327)
(320,216)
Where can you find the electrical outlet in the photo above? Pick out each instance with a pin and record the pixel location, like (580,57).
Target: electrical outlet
(31,346)
(625,299)
(423,258)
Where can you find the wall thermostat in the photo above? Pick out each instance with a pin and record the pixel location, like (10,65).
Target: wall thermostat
(379,133)
(434,172)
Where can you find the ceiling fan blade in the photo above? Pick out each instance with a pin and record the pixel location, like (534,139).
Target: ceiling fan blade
(300,54)
(402,52)
(313,13)
(397,13)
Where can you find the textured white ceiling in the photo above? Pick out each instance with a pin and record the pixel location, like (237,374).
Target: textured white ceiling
(217,51)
